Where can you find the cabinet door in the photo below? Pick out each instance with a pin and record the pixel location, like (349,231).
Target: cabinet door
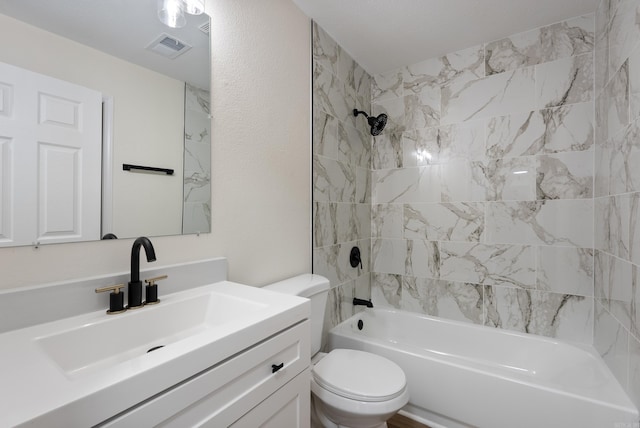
(287,407)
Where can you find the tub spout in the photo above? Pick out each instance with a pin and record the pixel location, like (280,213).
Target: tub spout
(362,302)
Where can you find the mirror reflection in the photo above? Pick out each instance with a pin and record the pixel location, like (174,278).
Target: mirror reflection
(85,88)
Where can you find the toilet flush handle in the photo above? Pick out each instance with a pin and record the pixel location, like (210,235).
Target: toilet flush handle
(275,368)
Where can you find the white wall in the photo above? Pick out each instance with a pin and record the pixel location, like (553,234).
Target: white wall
(261,160)
(148,122)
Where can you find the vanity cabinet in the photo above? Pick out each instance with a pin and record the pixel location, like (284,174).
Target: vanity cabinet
(246,390)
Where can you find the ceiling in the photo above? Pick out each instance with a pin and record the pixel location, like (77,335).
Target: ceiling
(122,28)
(382,35)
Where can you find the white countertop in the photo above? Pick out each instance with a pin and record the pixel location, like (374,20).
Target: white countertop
(35,391)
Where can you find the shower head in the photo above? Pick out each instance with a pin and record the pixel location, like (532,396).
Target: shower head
(376,123)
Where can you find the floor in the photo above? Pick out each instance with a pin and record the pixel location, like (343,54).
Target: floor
(399,421)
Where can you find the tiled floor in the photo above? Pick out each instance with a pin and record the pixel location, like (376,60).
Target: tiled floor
(399,421)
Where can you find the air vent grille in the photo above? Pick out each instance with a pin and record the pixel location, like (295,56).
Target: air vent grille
(168,46)
(204,27)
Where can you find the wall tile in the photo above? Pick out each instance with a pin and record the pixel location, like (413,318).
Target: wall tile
(388,255)
(330,94)
(458,67)
(633,387)
(565,81)
(353,147)
(325,135)
(387,85)
(562,316)
(451,300)
(422,259)
(462,221)
(564,39)
(564,176)
(422,110)
(560,222)
(624,34)
(394,108)
(490,96)
(504,265)
(333,181)
(387,151)
(554,130)
(387,221)
(420,184)
(565,270)
(386,290)
(325,50)
(625,155)
(611,342)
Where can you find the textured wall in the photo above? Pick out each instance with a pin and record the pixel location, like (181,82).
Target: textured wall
(617,191)
(261,168)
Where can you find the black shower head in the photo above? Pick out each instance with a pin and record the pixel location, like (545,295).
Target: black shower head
(376,123)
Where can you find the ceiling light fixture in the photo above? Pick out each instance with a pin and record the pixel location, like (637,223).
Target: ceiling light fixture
(194,7)
(171,12)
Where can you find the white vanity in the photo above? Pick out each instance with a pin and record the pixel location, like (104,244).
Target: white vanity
(227,355)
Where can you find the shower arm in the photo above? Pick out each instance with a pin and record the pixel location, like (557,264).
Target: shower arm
(356,112)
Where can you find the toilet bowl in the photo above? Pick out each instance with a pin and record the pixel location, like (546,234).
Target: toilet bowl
(349,388)
(356,389)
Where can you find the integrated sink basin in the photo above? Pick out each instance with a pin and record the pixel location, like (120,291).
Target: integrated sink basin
(89,367)
(109,340)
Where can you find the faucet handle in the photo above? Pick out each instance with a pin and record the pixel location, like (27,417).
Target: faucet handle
(151,290)
(152,281)
(116,298)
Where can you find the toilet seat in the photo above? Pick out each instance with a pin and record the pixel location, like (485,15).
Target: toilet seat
(360,376)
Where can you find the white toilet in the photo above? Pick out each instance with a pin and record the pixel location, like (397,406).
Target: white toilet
(350,389)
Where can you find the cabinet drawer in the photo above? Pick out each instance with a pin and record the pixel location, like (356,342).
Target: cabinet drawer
(228,390)
(289,407)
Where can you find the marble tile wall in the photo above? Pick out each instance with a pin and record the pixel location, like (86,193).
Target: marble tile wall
(197,161)
(617,190)
(482,184)
(341,175)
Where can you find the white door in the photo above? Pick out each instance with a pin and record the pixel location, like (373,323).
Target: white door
(50,155)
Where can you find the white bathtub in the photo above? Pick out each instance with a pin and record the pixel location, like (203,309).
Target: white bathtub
(463,375)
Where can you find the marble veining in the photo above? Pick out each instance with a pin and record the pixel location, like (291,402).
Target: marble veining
(564,176)
(495,95)
(460,67)
(555,222)
(565,81)
(463,221)
(503,265)
(563,129)
(196,216)
(564,39)
(546,314)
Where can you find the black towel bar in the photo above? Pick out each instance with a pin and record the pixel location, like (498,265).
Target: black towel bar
(129,167)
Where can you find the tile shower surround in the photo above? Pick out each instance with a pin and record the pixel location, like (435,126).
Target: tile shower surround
(485,186)
(482,187)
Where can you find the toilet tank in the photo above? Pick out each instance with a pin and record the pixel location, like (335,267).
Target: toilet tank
(315,288)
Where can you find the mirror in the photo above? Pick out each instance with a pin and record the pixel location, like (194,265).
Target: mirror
(152,85)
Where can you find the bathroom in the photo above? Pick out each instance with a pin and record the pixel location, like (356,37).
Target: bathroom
(263,167)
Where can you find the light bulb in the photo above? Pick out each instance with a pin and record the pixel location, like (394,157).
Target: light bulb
(193,7)
(171,14)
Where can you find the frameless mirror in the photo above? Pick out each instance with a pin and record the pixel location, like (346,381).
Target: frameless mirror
(88,87)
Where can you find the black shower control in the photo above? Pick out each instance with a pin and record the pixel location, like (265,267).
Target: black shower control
(354,257)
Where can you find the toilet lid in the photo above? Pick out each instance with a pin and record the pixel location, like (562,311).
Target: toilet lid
(359,375)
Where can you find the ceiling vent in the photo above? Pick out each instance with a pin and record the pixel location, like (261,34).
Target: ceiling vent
(168,46)
(204,27)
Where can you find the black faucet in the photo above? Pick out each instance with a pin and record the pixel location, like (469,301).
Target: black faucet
(135,285)
(362,302)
